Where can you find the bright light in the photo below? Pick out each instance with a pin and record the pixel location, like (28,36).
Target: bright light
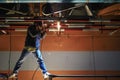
(58,26)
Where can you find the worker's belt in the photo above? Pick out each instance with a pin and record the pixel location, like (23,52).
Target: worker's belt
(30,48)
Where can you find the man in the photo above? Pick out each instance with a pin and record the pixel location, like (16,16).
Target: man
(32,44)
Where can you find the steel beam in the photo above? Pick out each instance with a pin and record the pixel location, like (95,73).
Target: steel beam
(58,1)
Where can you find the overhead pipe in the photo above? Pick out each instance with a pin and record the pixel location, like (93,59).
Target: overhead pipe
(48,19)
(64,29)
(65,19)
(83,23)
(59,1)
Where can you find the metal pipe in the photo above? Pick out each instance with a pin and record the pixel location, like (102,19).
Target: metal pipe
(82,76)
(58,1)
(88,10)
(49,19)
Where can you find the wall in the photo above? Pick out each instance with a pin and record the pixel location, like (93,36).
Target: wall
(72,52)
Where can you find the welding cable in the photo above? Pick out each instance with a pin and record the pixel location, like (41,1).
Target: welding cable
(35,72)
(38,65)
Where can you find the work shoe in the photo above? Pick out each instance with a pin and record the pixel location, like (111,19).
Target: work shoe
(46,75)
(13,75)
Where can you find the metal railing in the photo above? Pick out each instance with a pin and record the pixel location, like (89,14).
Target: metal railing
(51,77)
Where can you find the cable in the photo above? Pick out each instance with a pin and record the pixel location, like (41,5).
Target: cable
(35,72)
(38,65)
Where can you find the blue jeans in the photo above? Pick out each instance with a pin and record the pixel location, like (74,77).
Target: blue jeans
(23,56)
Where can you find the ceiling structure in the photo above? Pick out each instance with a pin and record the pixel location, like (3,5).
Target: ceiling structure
(80,16)
(58,1)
